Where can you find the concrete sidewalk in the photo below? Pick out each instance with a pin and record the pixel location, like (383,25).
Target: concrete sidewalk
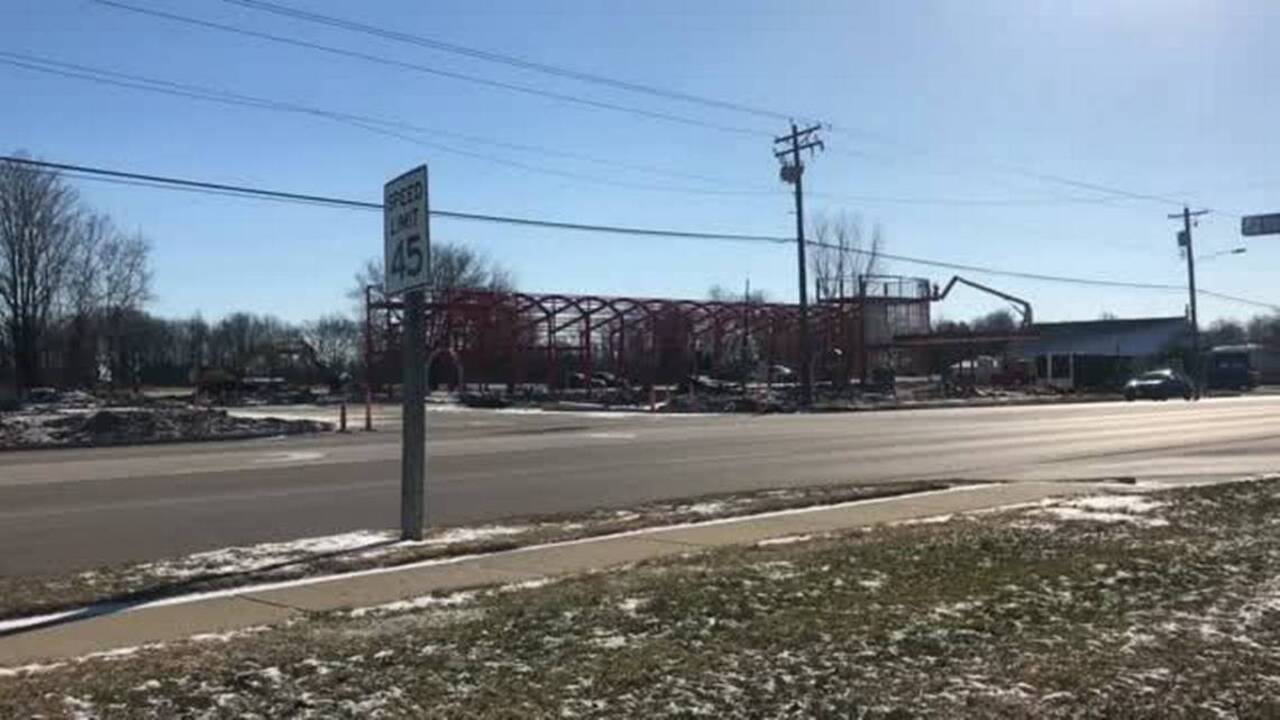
(224,611)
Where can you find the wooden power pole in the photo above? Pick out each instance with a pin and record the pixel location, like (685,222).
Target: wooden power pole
(787,149)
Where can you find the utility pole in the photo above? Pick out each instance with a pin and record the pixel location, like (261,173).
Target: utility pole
(787,150)
(1185,242)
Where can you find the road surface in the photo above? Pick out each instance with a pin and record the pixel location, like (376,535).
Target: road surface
(76,509)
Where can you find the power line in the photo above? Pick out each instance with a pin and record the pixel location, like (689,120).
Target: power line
(245,190)
(509,60)
(383,126)
(463,77)
(175,183)
(1022,171)
(341,23)
(370,124)
(331,21)
(1243,301)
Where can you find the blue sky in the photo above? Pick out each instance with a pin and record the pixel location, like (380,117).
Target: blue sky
(929,101)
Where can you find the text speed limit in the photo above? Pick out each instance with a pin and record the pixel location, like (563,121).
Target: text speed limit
(407,232)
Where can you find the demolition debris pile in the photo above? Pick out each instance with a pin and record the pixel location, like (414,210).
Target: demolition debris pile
(78,420)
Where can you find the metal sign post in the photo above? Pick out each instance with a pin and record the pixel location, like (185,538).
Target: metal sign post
(406,259)
(1260,224)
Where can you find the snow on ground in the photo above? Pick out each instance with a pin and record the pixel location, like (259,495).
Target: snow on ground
(784,540)
(929,520)
(703,508)
(632,605)
(418,603)
(1132,509)
(29,669)
(79,709)
(526,585)
(256,557)
(229,636)
(460,535)
(1121,503)
(372,543)
(609,641)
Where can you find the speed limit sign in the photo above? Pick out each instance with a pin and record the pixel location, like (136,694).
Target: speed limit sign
(407,232)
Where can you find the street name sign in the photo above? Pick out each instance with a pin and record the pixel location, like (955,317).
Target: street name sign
(406,232)
(1260,224)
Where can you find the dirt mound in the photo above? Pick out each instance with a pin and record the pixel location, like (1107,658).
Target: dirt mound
(140,426)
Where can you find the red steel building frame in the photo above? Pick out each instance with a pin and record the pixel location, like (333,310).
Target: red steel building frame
(517,339)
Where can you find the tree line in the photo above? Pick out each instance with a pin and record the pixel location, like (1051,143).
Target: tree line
(74,291)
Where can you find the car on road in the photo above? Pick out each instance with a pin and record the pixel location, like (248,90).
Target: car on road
(1159,385)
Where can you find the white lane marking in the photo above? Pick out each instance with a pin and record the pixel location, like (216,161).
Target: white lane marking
(288,457)
(611,436)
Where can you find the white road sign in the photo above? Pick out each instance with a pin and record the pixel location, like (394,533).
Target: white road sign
(406,233)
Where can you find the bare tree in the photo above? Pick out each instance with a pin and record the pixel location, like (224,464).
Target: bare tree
(453,267)
(841,252)
(79,302)
(995,321)
(40,231)
(1265,329)
(124,285)
(1225,332)
(335,339)
(719,293)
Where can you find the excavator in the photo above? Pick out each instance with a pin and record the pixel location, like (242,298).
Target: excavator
(222,384)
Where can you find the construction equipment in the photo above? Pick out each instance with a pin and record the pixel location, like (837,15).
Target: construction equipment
(1022,306)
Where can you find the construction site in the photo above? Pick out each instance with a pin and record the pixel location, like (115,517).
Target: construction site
(590,345)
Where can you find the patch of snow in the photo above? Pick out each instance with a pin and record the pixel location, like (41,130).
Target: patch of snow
(418,603)
(80,709)
(526,585)
(609,642)
(116,654)
(784,540)
(1077,514)
(928,520)
(249,558)
(703,508)
(272,675)
(957,608)
(147,686)
(631,606)
(30,669)
(455,536)
(1118,503)
(372,703)
(227,636)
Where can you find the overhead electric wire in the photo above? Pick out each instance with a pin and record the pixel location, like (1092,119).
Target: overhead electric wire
(245,190)
(169,182)
(463,77)
(383,126)
(409,38)
(1036,175)
(511,60)
(370,124)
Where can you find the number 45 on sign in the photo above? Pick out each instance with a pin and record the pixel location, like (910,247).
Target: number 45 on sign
(407,232)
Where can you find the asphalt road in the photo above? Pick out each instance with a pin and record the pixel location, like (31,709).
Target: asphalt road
(75,509)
